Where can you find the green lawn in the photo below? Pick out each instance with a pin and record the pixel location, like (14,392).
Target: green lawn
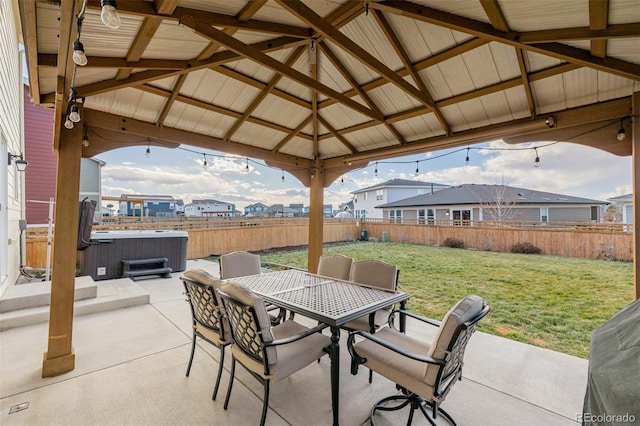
(547,301)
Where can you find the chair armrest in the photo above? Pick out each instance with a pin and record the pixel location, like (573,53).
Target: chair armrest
(411,315)
(394,348)
(297,337)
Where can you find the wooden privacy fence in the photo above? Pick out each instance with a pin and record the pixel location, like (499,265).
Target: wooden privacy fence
(223,236)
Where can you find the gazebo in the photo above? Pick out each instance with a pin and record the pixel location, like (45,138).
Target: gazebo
(321,87)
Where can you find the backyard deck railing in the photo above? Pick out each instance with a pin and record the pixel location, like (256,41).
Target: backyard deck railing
(209,236)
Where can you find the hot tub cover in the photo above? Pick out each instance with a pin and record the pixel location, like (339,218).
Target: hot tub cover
(613,385)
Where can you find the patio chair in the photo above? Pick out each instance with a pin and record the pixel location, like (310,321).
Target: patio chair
(269,353)
(373,273)
(207,314)
(423,372)
(335,266)
(241,264)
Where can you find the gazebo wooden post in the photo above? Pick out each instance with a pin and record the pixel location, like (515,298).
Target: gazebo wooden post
(635,141)
(316,218)
(60,357)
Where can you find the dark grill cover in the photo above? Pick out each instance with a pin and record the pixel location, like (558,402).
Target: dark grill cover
(613,385)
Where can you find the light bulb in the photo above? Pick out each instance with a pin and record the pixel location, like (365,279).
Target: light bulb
(621,134)
(85,141)
(109,14)
(79,56)
(536,163)
(148,153)
(68,123)
(204,165)
(74,115)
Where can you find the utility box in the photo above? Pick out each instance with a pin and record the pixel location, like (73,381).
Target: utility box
(103,258)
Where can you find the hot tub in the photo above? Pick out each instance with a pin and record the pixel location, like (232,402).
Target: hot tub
(103,258)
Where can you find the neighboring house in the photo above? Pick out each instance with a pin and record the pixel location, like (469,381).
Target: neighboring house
(210,208)
(256,210)
(280,210)
(626,204)
(327,210)
(365,200)
(464,204)
(346,207)
(40,177)
(11,142)
(151,206)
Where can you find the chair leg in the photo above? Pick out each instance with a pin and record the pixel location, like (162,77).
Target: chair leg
(193,350)
(370,376)
(265,405)
(215,389)
(231,374)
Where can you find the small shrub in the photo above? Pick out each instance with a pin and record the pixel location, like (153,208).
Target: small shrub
(525,248)
(453,243)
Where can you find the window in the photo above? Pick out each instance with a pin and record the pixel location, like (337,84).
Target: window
(379,194)
(421,216)
(431,216)
(395,216)
(594,213)
(461,217)
(366,196)
(355,198)
(544,214)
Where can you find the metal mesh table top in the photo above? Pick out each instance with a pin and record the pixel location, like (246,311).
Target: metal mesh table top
(324,298)
(275,282)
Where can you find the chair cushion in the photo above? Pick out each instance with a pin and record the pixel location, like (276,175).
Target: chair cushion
(404,371)
(203,277)
(291,356)
(362,323)
(375,273)
(335,266)
(239,264)
(463,311)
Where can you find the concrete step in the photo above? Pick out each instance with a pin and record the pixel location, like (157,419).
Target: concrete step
(111,295)
(32,295)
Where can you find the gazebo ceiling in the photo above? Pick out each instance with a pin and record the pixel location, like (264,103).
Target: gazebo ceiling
(340,82)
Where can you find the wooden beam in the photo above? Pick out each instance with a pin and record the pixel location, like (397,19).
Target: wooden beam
(274,65)
(169,102)
(615,31)
(217,109)
(144,36)
(123,125)
(316,218)
(59,357)
(408,65)
(293,134)
(525,81)
(307,15)
(337,135)
(263,93)
(495,15)
(598,20)
(148,76)
(51,60)
(480,29)
(30,35)
(635,142)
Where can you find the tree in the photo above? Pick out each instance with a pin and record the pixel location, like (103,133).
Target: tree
(498,205)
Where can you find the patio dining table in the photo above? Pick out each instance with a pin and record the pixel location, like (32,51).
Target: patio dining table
(327,300)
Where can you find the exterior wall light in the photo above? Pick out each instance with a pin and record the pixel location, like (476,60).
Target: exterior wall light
(21,163)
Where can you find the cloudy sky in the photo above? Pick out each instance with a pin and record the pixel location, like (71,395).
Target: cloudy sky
(565,168)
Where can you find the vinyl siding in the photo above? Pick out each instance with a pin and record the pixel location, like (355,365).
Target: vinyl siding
(570,214)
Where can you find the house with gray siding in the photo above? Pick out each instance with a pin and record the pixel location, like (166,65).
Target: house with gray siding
(365,200)
(626,204)
(465,204)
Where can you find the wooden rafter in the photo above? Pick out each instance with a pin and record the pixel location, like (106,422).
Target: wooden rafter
(486,31)
(293,134)
(29,27)
(337,135)
(499,22)
(148,76)
(408,65)
(361,92)
(175,91)
(258,56)
(598,20)
(313,72)
(583,33)
(263,93)
(332,33)
(217,109)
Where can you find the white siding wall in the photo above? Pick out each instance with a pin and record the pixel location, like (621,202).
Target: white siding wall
(12,182)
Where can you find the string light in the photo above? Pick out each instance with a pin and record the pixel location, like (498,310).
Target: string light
(246,168)
(621,133)
(417,169)
(204,164)
(466,161)
(109,14)
(536,163)
(68,123)
(282,175)
(74,114)
(85,138)
(148,153)
(79,57)
(375,172)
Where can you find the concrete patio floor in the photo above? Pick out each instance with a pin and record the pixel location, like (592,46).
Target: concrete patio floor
(131,363)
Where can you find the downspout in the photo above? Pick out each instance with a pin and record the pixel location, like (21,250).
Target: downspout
(23,188)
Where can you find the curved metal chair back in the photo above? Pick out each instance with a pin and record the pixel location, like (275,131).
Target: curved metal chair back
(376,273)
